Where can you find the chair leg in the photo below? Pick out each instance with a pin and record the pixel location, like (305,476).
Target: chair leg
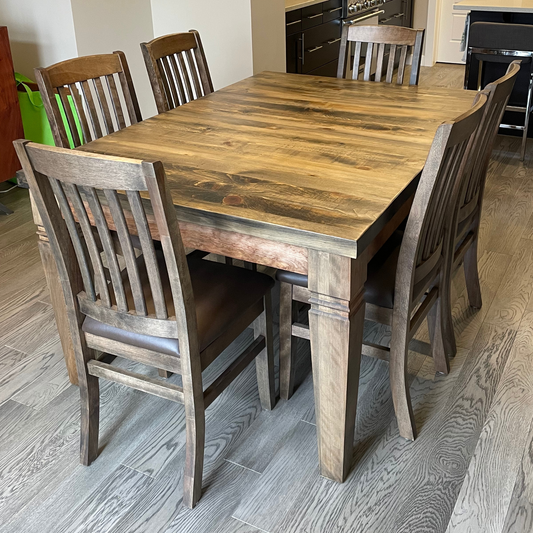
(398,380)
(526,122)
(90,418)
(470,266)
(194,455)
(436,335)
(264,362)
(164,373)
(287,343)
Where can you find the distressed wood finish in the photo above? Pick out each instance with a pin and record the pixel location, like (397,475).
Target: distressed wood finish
(471,199)
(378,41)
(422,287)
(251,161)
(132,301)
(252,158)
(177,69)
(90,83)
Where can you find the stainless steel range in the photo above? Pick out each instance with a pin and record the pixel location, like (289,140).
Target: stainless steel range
(391,12)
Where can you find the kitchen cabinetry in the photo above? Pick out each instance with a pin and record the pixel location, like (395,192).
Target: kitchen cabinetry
(313,33)
(313,38)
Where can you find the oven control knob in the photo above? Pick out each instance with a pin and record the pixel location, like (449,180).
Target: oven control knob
(351,9)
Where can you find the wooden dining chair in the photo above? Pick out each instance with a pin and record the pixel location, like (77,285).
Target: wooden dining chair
(409,277)
(163,309)
(177,69)
(377,45)
(471,199)
(87,90)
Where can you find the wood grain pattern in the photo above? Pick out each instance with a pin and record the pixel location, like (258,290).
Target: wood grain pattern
(515,292)
(377,39)
(78,82)
(59,176)
(176,63)
(242,108)
(294,467)
(520,513)
(488,485)
(251,157)
(136,427)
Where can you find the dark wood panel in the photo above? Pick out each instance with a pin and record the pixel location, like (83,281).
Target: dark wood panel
(10,119)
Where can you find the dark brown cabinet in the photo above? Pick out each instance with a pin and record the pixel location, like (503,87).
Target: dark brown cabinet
(10,120)
(313,38)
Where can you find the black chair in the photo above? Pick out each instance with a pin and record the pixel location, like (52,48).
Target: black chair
(494,42)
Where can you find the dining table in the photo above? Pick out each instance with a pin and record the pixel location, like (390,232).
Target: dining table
(303,173)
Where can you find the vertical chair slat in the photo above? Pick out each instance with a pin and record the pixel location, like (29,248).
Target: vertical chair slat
(79,79)
(356,60)
(128,90)
(179,81)
(79,209)
(72,228)
(115,101)
(187,81)
(171,82)
(401,66)
(193,73)
(205,79)
(379,64)
(80,110)
(383,37)
(417,59)
(109,249)
(64,93)
(390,66)
(164,81)
(104,105)
(150,260)
(176,63)
(124,238)
(368,61)
(93,115)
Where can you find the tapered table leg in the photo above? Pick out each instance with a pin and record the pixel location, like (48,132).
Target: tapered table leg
(336,328)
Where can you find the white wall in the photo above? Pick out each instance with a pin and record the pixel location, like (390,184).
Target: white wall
(268,35)
(103,26)
(420,16)
(225,28)
(40,32)
(240,37)
(432,32)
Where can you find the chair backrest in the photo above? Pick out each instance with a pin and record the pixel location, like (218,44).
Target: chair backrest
(85,90)
(177,69)
(427,242)
(498,94)
(71,188)
(380,41)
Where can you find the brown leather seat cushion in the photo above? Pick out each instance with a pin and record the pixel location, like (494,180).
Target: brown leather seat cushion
(379,286)
(222,293)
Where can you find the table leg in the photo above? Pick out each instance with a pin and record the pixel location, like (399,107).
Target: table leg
(336,323)
(58,303)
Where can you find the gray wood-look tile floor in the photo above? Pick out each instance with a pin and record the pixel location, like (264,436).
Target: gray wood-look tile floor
(471,469)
